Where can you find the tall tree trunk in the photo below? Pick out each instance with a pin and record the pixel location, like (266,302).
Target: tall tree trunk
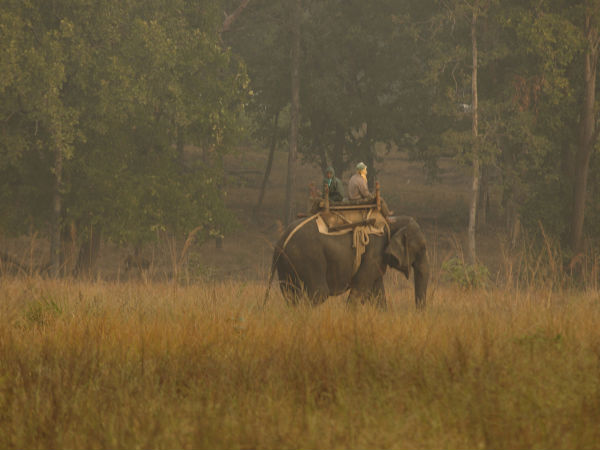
(510,194)
(588,135)
(337,158)
(180,146)
(317,143)
(476,163)
(322,156)
(295,113)
(369,159)
(484,198)
(55,262)
(272,149)
(88,253)
(370,162)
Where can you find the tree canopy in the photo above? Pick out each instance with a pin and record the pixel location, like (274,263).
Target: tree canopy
(399,72)
(115,114)
(99,100)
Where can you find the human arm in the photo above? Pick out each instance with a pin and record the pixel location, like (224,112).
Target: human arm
(363,188)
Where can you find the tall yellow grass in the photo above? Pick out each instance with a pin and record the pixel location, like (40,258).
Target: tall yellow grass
(141,365)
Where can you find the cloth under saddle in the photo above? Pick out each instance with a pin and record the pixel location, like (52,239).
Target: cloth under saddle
(362,220)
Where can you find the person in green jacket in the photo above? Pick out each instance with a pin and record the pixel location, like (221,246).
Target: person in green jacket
(336,188)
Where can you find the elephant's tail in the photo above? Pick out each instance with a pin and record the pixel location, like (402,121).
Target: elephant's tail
(279,250)
(276,255)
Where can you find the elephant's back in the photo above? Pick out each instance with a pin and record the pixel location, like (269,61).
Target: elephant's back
(300,234)
(311,254)
(297,230)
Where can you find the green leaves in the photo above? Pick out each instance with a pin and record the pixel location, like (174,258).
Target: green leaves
(131,94)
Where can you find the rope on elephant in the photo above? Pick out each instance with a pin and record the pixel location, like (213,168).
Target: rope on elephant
(300,225)
(360,240)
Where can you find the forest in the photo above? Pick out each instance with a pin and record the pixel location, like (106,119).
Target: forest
(116,116)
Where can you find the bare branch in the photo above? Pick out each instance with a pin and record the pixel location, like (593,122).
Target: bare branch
(231,17)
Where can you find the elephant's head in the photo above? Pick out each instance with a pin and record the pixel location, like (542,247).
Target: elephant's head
(408,248)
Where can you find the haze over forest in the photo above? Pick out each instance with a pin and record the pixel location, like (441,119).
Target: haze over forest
(118,118)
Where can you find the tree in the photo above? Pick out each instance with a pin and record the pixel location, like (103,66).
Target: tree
(588,134)
(113,91)
(460,16)
(41,129)
(295,111)
(561,41)
(353,59)
(476,162)
(493,84)
(261,38)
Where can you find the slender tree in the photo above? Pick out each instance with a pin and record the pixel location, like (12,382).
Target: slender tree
(475,131)
(272,148)
(588,127)
(295,111)
(97,101)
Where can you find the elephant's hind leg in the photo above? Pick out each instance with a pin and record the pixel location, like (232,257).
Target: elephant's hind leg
(291,288)
(295,292)
(304,272)
(316,287)
(317,296)
(292,294)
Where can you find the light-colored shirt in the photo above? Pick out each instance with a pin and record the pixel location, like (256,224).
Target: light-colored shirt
(357,188)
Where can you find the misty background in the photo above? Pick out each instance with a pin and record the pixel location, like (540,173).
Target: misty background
(133,132)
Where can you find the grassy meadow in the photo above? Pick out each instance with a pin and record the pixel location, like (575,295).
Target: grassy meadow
(160,365)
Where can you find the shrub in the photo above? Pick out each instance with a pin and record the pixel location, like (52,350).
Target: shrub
(467,276)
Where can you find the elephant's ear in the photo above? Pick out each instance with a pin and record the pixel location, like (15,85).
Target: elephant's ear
(397,252)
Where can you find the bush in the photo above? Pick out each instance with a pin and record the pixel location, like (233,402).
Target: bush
(467,276)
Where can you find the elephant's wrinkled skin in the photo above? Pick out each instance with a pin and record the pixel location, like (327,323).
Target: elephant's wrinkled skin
(319,265)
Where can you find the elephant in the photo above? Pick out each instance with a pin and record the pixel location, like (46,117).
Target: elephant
(315,266)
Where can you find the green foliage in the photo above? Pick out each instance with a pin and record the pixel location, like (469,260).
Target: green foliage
(353,74)
(139,101)
(467,276)
(592,217)
(530,84)
(124,92)
(41,312)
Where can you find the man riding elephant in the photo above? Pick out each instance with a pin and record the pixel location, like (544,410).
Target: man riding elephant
(334,186)
(359,190)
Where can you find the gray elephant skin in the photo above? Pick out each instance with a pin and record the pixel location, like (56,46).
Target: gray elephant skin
(315,266)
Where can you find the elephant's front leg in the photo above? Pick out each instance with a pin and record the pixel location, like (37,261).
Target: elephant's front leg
(354,297)
(378,294)
(374,293)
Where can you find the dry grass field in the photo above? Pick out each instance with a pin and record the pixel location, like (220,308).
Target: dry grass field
(161,365)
